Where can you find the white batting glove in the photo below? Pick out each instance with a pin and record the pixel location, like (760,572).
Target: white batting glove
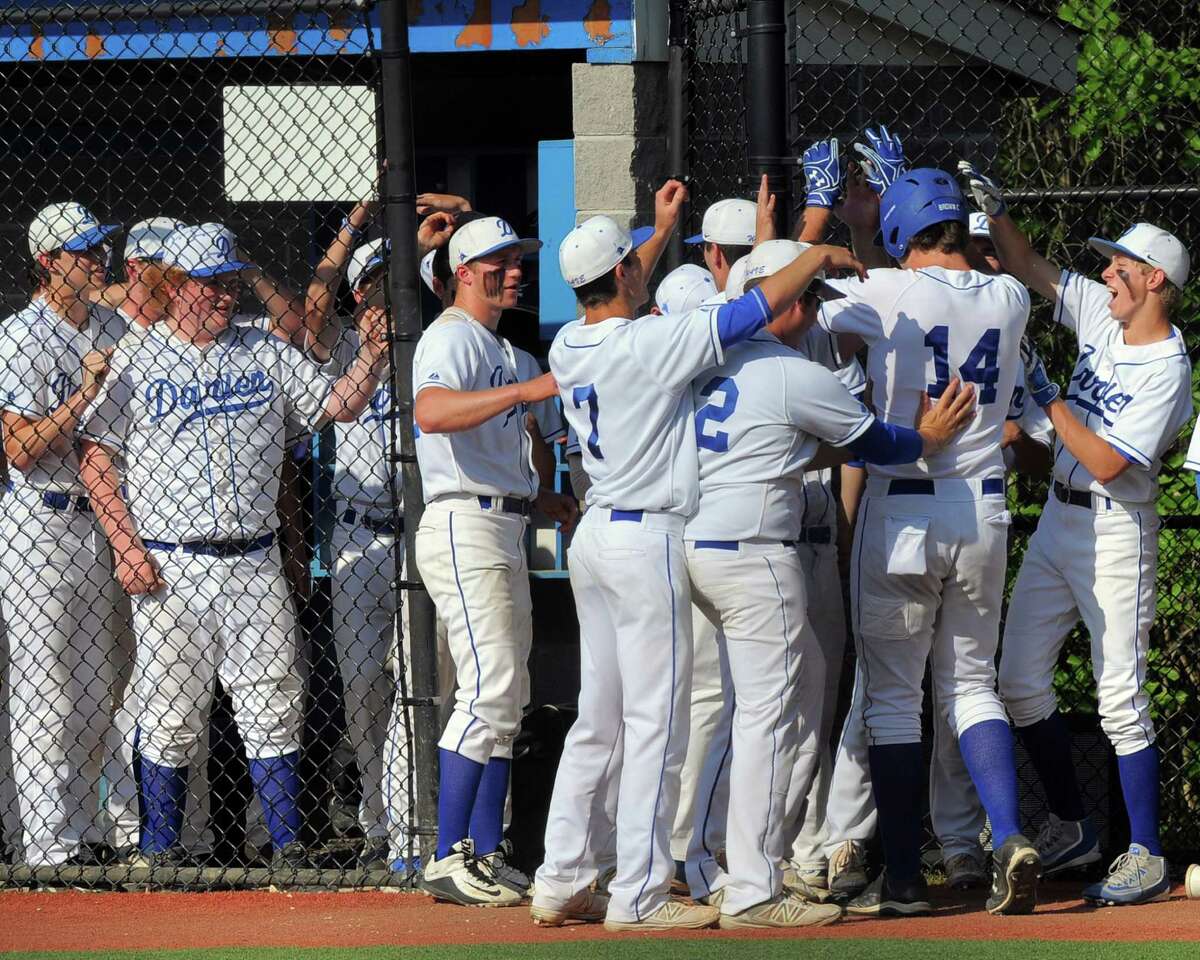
(882,158)
(988,196)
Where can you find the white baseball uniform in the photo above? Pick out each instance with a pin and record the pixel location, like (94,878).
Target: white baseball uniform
(626,392)
(930,552)
(10,820)
(1095,552)
(56,578)
(203,434)
(760,417)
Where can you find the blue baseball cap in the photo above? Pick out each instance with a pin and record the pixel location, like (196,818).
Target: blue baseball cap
(204,251)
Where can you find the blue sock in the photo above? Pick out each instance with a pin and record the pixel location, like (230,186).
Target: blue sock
(1139,786)
(164,790)
(897,773)
(487,814)
(1048,743)
(278,785)
(987,750)
(458,783)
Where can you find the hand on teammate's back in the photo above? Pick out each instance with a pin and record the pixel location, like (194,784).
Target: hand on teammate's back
(668,204)
(539,388)
(842,260)
(939,423)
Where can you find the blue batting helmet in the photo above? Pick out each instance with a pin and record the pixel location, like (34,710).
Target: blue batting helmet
(916,200)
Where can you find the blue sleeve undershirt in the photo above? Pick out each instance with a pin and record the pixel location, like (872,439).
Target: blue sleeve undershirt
(742,318)
(887,444)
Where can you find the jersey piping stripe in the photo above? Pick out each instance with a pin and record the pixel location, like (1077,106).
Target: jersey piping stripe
(1128,450)
(589,346)
(470,633)
(662,771)
(233,461)
(774,735)
(954,286)
(862,647)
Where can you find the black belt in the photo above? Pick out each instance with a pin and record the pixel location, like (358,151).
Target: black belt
(927,488)
(388,525)
(515,505)
(215,548)
(64,501)
(733,545)
(1076,498)
(816,535)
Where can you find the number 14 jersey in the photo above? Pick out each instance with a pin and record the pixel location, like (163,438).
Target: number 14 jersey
(924,327)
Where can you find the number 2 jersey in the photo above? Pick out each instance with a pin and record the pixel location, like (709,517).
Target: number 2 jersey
(923,327)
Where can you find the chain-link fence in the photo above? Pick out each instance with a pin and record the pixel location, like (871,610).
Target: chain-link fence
(1086,111)
(202,532)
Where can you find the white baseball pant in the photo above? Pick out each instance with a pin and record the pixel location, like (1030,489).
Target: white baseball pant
(1097,565)
(708,702)
(755,594)
(121,736)
(56,576)
(630,581)
(472,562)
(230,617)
(10,821)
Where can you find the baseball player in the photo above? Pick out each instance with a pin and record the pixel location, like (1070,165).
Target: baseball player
(760,416)
(57,606)
(1095,551)
(930,552)
(727,233)
(480,486)
(200,410)
(10,821)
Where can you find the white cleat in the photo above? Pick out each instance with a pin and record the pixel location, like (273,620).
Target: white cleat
(585,907)
(672,915)
(783,911)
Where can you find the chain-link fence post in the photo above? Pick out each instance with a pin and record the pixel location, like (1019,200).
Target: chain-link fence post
(766,102)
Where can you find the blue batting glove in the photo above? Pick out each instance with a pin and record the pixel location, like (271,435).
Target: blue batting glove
(1043,390)
(882,158)
(823,173)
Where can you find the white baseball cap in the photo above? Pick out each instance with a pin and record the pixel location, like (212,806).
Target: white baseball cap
(1152,245)
(365,259)
(735,283)
(684,289)
(729,221)
(145,239)
(66,226)
(978,225)
(773,255)
(427,270)
(487,235)
(204,251)
(595,247)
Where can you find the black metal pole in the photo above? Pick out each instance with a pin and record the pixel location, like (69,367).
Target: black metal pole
(677,109)
(766,101)
(400,219)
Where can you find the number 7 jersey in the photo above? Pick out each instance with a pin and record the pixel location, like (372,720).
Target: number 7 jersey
(924,327)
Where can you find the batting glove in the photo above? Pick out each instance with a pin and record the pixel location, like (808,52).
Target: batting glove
(823,173)
(1043,390)
(882,158)
(985,190)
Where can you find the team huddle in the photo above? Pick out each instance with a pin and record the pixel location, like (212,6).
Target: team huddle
(148,427)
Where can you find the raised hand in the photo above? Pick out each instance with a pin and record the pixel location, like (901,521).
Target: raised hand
(823,173)
(987,193)
(764,213)
(882,158)
(668,204)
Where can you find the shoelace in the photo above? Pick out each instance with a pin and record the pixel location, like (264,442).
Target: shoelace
(1125,870)
(846,857)
(1049,836)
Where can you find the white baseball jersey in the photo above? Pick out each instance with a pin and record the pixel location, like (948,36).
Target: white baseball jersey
(818,504)
(203,432)
(639,456)
(493,459)
(760,417)
(1137,398)
(1193,454)
(41,358)
(924,327)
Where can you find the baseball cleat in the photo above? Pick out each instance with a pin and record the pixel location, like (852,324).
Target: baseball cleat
(461,878)
(848,869)
(173,858)
(604,879)
(809,875)
(499,861)
(714,899)
(802,890)
(585,907)
(291,856)
(782,911)
(373,854)
(887,898)
(1067,844)
(1016,868)
(672,915)
(1136,876)
(965,871)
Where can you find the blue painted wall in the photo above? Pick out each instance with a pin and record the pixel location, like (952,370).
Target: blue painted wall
(556,218)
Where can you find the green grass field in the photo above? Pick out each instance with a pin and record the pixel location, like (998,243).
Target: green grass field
(655,949)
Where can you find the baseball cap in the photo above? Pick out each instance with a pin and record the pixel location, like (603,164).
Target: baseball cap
(485,236)
(66,226)
(1152,245)
(595,247)
(729,221)
(365,259)
(427,270)
(735,283)
(773,255)
(978,225)
(145,239)
(204,251)
(684,289)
